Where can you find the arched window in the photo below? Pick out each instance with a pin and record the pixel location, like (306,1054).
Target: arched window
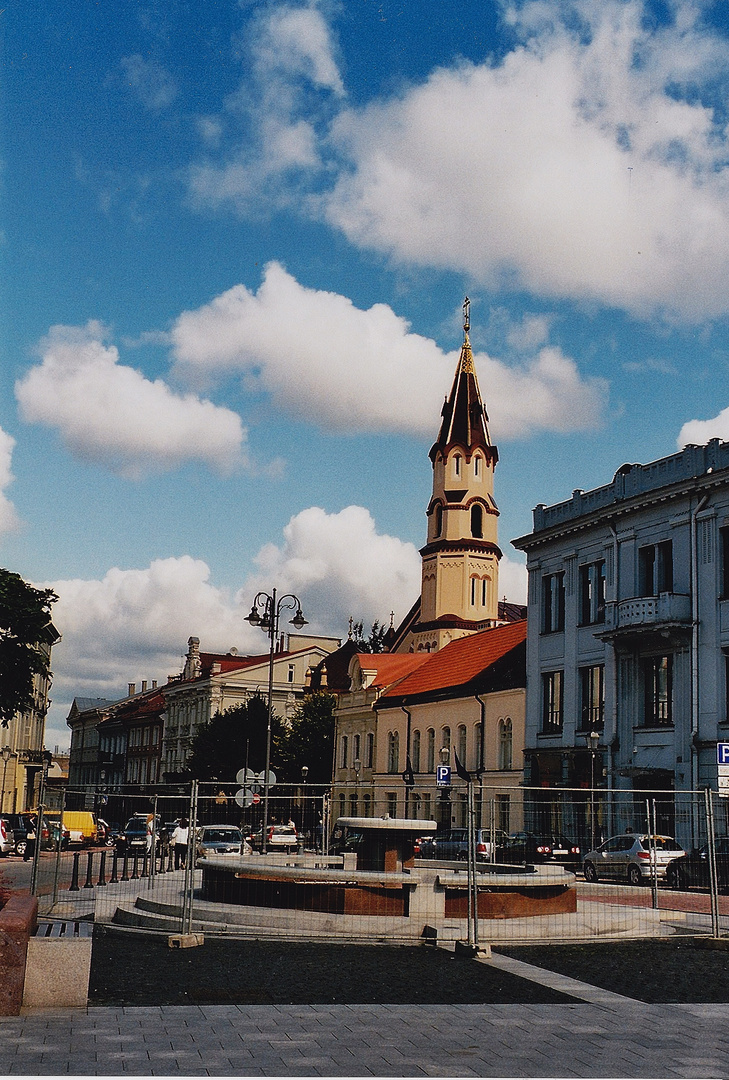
(356,746)
(353,805)
(477,466)
(344,745)
(477,520)
(393,752)
(341,804)
(462,744)
(457,464)
(445,738)
(366,806)
(431,751)
(415,759)
(416,805)
(479,745)
(505,743)
(370,755)
(484,591)
(474,586)
(438,520)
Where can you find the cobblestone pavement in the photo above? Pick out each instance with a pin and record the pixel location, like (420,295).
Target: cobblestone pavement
(586,1040)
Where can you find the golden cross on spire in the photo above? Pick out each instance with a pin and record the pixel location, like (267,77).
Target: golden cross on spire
(466,315)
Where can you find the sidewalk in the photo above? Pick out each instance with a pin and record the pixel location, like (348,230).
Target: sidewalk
(631,1040)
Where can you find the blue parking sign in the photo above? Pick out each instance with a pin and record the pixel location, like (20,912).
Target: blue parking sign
(443,776)
(722,753)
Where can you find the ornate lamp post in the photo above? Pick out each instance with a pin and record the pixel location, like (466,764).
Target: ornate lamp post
(268,621)
(6,753)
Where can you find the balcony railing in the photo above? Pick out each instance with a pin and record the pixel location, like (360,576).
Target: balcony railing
(648,611)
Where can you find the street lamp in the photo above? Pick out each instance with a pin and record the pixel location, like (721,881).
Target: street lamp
(6,753)
(304,774)
(268,621)
(592,741)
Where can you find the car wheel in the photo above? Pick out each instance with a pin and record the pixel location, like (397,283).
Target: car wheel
(634,876)
(590,872)
(20,847)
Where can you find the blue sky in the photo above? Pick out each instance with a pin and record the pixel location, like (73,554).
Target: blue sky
(236,238)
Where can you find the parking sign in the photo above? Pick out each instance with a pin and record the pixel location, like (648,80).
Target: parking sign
(443,776)
(722,753)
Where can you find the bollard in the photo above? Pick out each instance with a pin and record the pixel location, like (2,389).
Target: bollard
(73,887)
(102,869)
(145,864)
(125,867)
(88,884)
(170,853)
(114,880)
(162,861)
(135,867)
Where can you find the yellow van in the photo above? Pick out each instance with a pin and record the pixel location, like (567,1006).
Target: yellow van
(80,823)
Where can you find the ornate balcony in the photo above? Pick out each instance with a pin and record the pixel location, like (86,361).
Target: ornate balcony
(641,614)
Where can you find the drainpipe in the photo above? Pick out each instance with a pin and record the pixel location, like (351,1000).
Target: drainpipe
(614,716)
(695,641)
(481,763)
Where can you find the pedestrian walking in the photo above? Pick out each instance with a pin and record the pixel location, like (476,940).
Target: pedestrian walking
(179,839)
(150,832)
(30,838)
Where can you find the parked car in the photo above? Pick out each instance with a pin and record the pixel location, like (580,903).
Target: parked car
(533,847)
(279,838)
(7,842)
(693,869)
(220,840)
(133,839)
(454,844)
(628,857)
(20,825)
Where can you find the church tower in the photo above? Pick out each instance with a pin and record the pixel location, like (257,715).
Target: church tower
(460,593)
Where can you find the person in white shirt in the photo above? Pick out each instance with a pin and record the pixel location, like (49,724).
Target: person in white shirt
(180,837)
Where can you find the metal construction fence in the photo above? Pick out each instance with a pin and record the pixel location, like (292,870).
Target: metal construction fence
(511,864)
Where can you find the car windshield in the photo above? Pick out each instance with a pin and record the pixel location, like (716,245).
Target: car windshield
(210,836)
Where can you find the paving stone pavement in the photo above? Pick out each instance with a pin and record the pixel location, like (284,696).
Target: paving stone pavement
(585,1040)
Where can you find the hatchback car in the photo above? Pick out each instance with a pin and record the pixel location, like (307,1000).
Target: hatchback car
(534,847)
(630,857)
(279,838)
(220,840)
(454,844)
(693,869)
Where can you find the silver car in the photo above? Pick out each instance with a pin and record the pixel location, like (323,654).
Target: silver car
(220,840)
(630,857)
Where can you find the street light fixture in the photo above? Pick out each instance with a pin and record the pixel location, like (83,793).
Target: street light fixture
(593,740)
(268,621)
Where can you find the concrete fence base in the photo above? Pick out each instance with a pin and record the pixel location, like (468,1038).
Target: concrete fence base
(18,921)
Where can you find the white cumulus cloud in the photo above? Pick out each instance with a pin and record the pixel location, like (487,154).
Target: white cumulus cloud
(149,82)
(110,414)
(324,360)
(586,163)
(8,516)
(701,431)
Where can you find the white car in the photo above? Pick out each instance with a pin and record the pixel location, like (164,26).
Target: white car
(629,857)
(280,838)
(220,840)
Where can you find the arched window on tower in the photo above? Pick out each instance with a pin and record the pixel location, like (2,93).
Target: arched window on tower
(477,520)
(457,464)
(438,528)
(477,467)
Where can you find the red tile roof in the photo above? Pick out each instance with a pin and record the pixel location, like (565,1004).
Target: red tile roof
(461,662)
(391,667)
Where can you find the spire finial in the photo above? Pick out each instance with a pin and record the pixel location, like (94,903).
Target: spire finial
(466,315)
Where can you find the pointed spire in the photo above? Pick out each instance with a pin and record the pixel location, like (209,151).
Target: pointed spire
(465,420)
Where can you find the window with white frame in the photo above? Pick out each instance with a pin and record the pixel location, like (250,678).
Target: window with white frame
(505,743)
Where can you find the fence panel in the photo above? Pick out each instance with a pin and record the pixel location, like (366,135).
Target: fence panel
(548,864)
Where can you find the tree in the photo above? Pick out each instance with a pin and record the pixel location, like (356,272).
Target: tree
(307,740)
(375,643)
(25,626)
(231,740)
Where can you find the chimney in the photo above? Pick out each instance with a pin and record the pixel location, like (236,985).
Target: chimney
(132,689)
(154,684)
(144,685)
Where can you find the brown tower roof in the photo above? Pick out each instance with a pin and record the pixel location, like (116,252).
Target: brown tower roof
(465,420)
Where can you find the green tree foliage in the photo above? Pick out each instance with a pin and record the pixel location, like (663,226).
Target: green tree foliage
(25,622)
(231,739)
(307,740)
(375,643)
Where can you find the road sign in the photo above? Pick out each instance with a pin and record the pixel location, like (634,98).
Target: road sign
(255,798)
(722,753)
(241,797)
(443,776)
(249,778)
